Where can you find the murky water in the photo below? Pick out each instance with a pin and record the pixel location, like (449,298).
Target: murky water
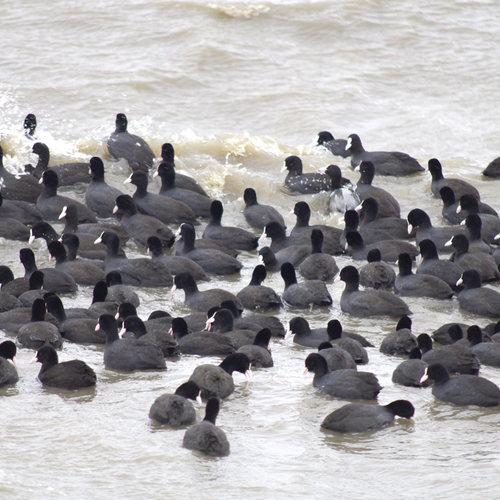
(236,87)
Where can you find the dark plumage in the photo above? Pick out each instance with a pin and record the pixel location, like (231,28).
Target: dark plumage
(255,295)
(8,372)
(137,272)
(134,149)
(376,274)
(459,186)
(259,352)
(217,381)
(69,375)
(257,215)
(385,162)
(360,417)
(410,372)
(368,302)
(211,260)
(370,220)
(318,266)
(175,409)
(402,341)
(345,384)
(307,294)
(166,209)
(50,204)
(139,226)
(409,284)
(100,197)
(239,238)
(198,300)
(462,390)
(336,146)
(205,436)
(477,299)
(128,354)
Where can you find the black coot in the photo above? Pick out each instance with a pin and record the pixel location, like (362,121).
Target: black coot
(402,341)
(459,186)
(176,409)
(134,149)
(239,238)
(70,375)
(410,372)
(488,353)
(8,372)
(376,274)
(198,300)
(385,162)
(256,296)
(257,215)
(137,272)
(462,390)
(367,302)
(361,417)
(308,294)
(50,204)
(318,266)
(128,354)
(476,299)
(336,146)
(259,353)
(100,197)
(409,284)
(369,219)
(205,436)
(139,226)
(217,381)
(345,384)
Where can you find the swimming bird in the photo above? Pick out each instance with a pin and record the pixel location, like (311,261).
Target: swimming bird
(69,375)
(336,146)
(205,436)
(134,149)
(304,183)
(385,162)
(361,417)
(8,362)
(257,215)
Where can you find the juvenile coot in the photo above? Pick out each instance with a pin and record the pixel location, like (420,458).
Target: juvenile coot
(345,384)
(385,162)
(304,183)
(409,284)
(134,149)
(175,409)
(307,294)
(70,375)
(128,354)
(257,215)
(239,238)
(462,390)
(368,302)
(205,436)
(360,417)
(217,381)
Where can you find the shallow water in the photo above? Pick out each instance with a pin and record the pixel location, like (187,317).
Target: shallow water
(236,87)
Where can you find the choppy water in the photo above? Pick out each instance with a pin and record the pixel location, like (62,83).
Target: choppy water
(237,87)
